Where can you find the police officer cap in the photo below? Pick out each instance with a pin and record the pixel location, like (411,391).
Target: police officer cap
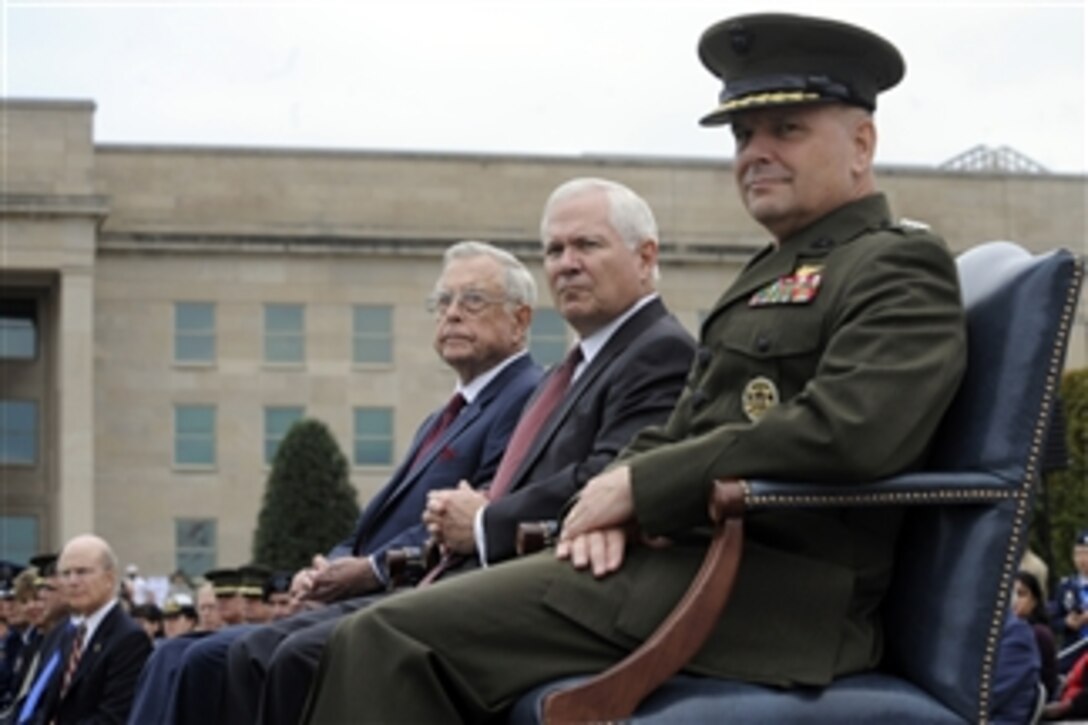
(253,579)
(46,564)
(278,583)
(179,604)
(775,59)
(225,582)
(1082,538)
(8,572)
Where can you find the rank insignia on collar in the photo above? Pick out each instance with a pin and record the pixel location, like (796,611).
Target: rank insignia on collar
(798,288)
(759,396)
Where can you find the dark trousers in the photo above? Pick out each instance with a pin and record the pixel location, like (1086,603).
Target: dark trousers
(201,679)
(271,668)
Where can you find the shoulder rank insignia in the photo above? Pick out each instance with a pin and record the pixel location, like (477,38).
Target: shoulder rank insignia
(798,288)
(759,396)
(913,224)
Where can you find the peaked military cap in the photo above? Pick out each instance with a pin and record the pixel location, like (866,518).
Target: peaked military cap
(225,582)
(253,578)
(775,59)
(278,583)
(179,604)
(8,571)
(46,564)
(1082,538)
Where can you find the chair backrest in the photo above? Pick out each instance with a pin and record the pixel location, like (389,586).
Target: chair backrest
(955,563)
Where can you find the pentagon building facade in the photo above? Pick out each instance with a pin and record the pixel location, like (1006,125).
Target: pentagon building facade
(169,311)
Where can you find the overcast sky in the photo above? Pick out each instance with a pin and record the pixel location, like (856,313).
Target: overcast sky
(526,76)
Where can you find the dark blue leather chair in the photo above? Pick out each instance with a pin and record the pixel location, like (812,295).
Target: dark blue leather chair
(965,532)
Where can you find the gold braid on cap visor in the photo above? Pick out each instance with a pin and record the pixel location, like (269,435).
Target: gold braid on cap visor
(768,99)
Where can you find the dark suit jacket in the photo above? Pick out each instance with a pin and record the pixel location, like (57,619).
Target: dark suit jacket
(631,383)
(103,686)
(864,359)
(469,449)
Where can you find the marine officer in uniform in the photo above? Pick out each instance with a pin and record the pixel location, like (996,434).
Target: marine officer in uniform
(832,356)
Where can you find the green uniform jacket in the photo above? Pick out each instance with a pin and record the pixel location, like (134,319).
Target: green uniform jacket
(845,344)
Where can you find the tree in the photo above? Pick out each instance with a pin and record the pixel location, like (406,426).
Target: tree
(1062,509)
(309,503)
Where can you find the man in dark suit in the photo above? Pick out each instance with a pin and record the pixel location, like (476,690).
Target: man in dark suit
(94,674)
(485,298)
(600,257)
(832,356)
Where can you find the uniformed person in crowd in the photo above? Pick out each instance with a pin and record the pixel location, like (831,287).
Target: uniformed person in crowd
(832,356)
(227,584)
(278,595)
(179,615)
(1071,597)
(11,643)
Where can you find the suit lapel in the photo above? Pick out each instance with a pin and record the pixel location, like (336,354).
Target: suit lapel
(408,473)
(618,343)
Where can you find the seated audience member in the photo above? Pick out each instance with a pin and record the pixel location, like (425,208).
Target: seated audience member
(179,615)
(277,595)
(486,296)
(1015,687)
(252,586)
(832,356)
(1029,604)
(149,617)
(227,585)
(53,615)
(599,241)
(18,589)
(1070,606)
(207,608)
(92,676)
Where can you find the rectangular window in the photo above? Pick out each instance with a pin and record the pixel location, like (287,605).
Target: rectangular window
(548,337)
(195,545)
(18,538)
(18,329)
(284,334)
(18,432)
(194,435)
(194,332)
(277,421)
(373,436)
(372,334)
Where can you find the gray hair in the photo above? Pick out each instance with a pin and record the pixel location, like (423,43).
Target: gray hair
(628,212)
(517,280)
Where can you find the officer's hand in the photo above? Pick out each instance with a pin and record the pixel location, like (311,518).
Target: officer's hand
(344,578)
(605,502)
(601,550)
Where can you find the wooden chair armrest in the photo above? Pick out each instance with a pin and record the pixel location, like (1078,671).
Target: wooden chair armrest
(615,693)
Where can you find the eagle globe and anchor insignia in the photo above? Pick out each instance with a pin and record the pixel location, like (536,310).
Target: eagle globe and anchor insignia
(760,395)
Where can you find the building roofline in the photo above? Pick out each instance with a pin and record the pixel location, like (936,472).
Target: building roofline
(601,159)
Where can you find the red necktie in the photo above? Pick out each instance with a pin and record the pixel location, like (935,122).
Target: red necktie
(452,409)
(74,656)
(532,420)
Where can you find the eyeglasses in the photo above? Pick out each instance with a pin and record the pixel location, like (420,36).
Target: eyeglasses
(471,301)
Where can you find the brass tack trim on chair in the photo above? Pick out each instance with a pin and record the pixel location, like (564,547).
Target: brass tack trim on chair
(877,499)
(1024,490)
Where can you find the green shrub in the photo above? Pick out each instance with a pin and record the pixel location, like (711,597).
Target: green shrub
(309,503)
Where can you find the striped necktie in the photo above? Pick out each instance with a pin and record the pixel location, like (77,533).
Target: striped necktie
(74,655)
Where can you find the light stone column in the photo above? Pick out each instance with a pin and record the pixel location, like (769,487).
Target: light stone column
(74,502)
